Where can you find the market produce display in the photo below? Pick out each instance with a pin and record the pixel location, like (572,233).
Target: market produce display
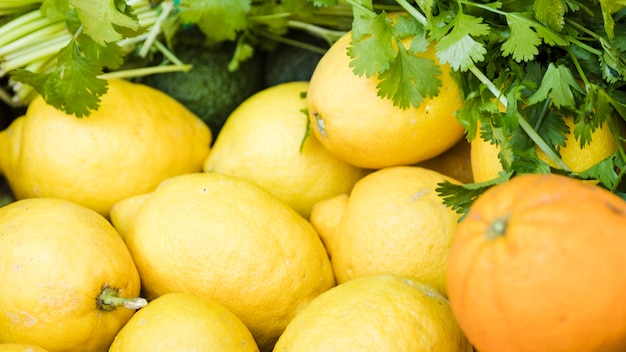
(433,175)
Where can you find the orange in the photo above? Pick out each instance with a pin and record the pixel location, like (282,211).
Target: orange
(358,126)
(537,265)
(66,272)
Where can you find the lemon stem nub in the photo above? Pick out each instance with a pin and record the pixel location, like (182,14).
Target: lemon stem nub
(108,300)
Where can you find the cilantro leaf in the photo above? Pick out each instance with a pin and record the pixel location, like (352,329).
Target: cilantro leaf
(108,55)
(321,3)
(456,44)
(409,79)
(557,84)
(370,49)
(550,12)
(219,20)
(523,42)
(460,197)
(612,63)
(100,18)
(526,36)
(604,171)
(73,85)
(55,9)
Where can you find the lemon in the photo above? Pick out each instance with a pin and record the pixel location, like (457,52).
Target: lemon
(486,165)
(227,239)
(366,130)
(184,322)
(137,138)
(392,222)
(20,347)
(265,140)
(376,313)
(63,266)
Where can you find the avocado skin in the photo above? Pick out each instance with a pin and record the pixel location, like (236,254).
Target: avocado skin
(209,89)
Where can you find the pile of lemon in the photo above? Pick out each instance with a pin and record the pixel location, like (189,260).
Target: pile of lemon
(310,223)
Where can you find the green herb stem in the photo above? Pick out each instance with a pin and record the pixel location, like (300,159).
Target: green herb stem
(413,12)
(21,26)
(42,35)
(281,39)
(329,35)
(36,52)
(155,28)
(145,71)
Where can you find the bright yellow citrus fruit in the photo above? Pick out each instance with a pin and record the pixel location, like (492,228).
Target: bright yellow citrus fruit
(376,313)
(227,239)
(265,140)
(184,322)
(486,165)
(20,347)
(57,259)
(360,127)
(137,138)
(392,222)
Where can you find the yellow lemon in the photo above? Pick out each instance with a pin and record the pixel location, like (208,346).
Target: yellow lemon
(266,140)
(360,127)
(376,313)
(20,347)
(66,271)
(184,322)
(392,222)
(137,138)
(229,240)
(486,165)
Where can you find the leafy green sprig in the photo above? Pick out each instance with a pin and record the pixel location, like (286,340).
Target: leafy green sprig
(523,65)
(89,41)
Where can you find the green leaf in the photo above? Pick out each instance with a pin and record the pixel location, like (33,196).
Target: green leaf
(604,171)
(609,7)
(100,19)
(371,47)
(460,197)
(612,63)
(458,46)
(523,42)
(73,86)
(55,9)
(427,7)
(526,36)
(321,3)
(550,12)
(109,55)
(219,20)
(557,84)
(409,79)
